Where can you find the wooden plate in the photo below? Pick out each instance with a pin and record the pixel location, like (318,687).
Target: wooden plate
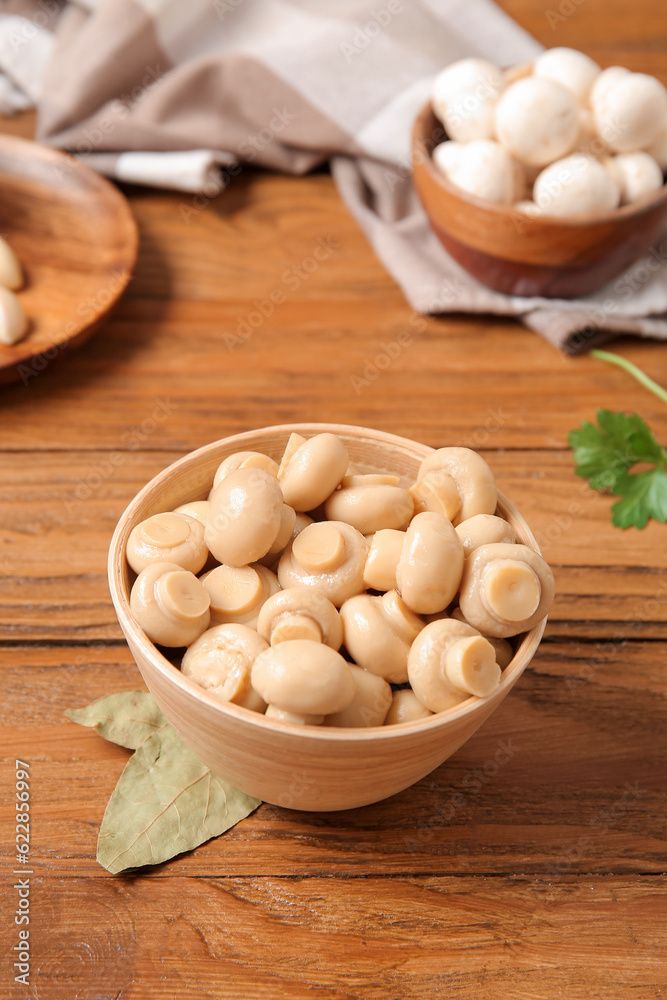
(77,242)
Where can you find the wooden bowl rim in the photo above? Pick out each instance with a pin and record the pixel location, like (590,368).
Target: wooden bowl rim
(23,353)
(172,674)
(582,221)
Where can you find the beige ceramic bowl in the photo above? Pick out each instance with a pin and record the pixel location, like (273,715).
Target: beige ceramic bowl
(308,768)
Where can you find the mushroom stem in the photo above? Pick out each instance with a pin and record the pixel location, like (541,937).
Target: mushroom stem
(471,667)
(295,626)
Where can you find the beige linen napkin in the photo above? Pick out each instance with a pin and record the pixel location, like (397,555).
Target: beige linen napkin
(181,94)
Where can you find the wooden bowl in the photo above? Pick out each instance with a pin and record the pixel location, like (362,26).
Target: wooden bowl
(519,255)
(308,768)
(76,239)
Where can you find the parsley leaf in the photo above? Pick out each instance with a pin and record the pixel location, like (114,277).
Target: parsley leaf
(605,454)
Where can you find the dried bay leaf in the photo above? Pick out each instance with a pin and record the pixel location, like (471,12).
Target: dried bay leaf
(166,800)
(127,718)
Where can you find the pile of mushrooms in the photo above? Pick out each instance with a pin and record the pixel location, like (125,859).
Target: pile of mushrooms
(13,320)
(319,595)
(557,137)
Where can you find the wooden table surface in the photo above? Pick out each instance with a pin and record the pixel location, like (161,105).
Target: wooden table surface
(545,881)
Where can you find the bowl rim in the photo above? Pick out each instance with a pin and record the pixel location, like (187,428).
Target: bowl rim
(116,563)
(585,220)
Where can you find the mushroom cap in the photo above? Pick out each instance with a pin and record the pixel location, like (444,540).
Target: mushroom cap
(167,537)
(329,555)
(431,564)
(196,508)
(483,528)
(604,82)
(220,661)
(170,604)
(637,175)
(13,320)
(485,169)
(369,706)
(238,592)
(499,578)
(305,677)
(463,97)
(448,662)
(630,113)
(245,460)
(313,472)
(576,185)
(445,156)
(369,507)
(11,274)
(406,707)
(536,120)
(658,148)
(571,68)
(244,516)
(303,602)
(383,555)
(472,477)
(296,718)
(378,632)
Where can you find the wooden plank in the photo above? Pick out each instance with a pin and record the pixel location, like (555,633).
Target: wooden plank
(57,518)
(568,776)
(329,349)
(339,939)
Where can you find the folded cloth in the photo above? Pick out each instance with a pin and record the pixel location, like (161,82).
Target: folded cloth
(182,94)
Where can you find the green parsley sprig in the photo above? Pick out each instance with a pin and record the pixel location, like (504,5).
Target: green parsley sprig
(606,452)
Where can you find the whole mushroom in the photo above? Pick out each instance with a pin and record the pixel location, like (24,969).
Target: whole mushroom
(463,98)
(170,604)
(575,185)
(378,633)
(506,589)
(313,471)
(485,169)
(385,551)
(467,477)
(369,505)
(370,704)
(239,592)
(300,613)
(431,564)
(220,661)
(536,120)
(329,555)
(304,677)
(11,273)
(450,661)
(571,68)
(245,516)
(630,111)
(637,175)
(167,537)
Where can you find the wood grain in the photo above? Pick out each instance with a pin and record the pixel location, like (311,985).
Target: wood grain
(545,880)
(371,937)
